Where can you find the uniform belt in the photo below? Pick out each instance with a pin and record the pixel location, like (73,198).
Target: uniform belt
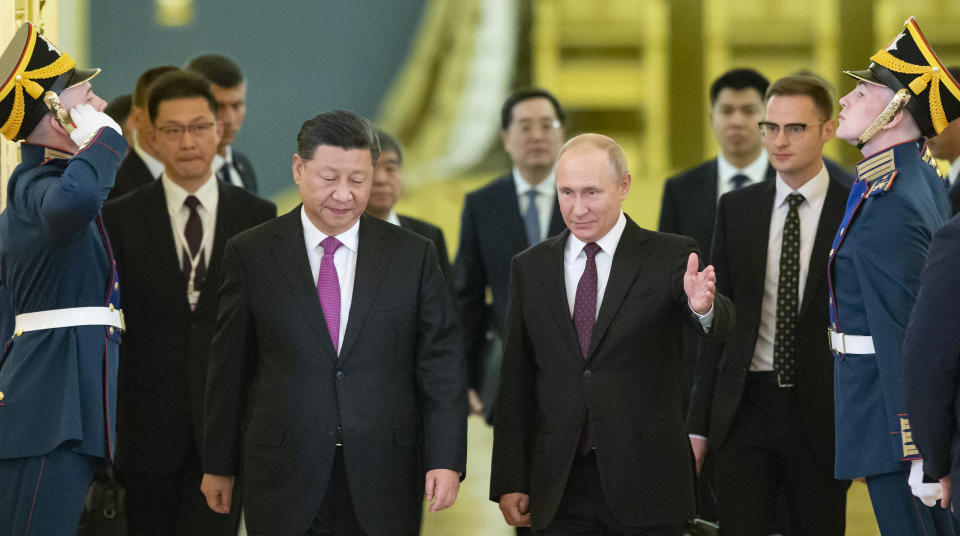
(74,316)
(850,344)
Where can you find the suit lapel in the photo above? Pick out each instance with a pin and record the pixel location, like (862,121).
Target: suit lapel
(709,193)
(556,220)
(510,212)
(228,218)
(373,257)
(157,222)
(758,240)
(556,293)
(290,254)
(830,216)
(627,260)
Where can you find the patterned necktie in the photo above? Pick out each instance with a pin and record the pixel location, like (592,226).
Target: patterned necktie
(788,300)
(328,290)
(531,218)
(739,180)
(585,304)
(584,317)
(193,232)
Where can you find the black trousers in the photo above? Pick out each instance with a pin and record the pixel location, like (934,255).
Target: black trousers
(768,454)
(336,516)
(584,512)
(164,504)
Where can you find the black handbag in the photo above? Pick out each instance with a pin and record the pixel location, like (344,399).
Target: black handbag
(103,512)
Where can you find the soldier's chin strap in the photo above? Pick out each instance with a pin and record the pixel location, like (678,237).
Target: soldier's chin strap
(897,103)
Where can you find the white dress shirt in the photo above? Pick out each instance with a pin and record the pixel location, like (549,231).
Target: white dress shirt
(218,162)
(545,201)
(345,260)
(575,262)
(209,197)
(756,172)
(393,218)
(814,193)
(153,165)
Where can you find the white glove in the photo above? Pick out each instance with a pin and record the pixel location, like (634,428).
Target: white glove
(929,493)
(88,121)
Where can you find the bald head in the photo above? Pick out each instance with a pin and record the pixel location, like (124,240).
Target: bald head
(592,182)
(618,160)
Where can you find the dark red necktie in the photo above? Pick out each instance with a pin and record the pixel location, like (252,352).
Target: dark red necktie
(585,304)
(193,232)
(584,317)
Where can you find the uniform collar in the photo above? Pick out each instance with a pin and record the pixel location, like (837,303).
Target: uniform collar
(887,160)
(32,154)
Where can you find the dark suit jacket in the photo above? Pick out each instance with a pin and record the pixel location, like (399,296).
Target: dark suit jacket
(396,389)
(689,204)
(435,235)
(163,358)
(243,166)
(740,259)
(491,233)
(133,174)
(626,384)
(931,358)
(954,195)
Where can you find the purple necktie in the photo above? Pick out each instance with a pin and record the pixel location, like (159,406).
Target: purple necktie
(585,304)
(328,289)
(584,316)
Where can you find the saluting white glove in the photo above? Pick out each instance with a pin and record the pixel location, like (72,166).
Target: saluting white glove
(88,121)
(928,492)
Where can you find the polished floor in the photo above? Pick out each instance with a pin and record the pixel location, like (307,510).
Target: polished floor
(474,515)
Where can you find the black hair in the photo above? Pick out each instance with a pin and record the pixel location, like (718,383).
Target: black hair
(389,143)
(522,94)
(739,79)
(218,69)
(338,128)
(179,85)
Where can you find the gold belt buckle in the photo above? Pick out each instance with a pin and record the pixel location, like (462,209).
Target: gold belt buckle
(123,322)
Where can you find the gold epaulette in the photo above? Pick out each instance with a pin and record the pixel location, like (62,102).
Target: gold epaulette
(928,158)
(877,165)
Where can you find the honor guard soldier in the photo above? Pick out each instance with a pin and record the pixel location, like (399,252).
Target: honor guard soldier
(59,367)
(895,206)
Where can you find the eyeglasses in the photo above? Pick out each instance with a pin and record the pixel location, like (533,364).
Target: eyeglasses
(175,132)
(527,127)
(794,131)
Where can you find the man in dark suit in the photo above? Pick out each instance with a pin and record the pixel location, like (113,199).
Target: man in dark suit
(765,398)
(931,361)
(170,301)
(689,202)
(498,221)
(387,189)
(353,403)
(946,146)
(589,437)
(230,88)
(141,165)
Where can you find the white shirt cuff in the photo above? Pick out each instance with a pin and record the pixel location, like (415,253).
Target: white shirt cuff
(706,320)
